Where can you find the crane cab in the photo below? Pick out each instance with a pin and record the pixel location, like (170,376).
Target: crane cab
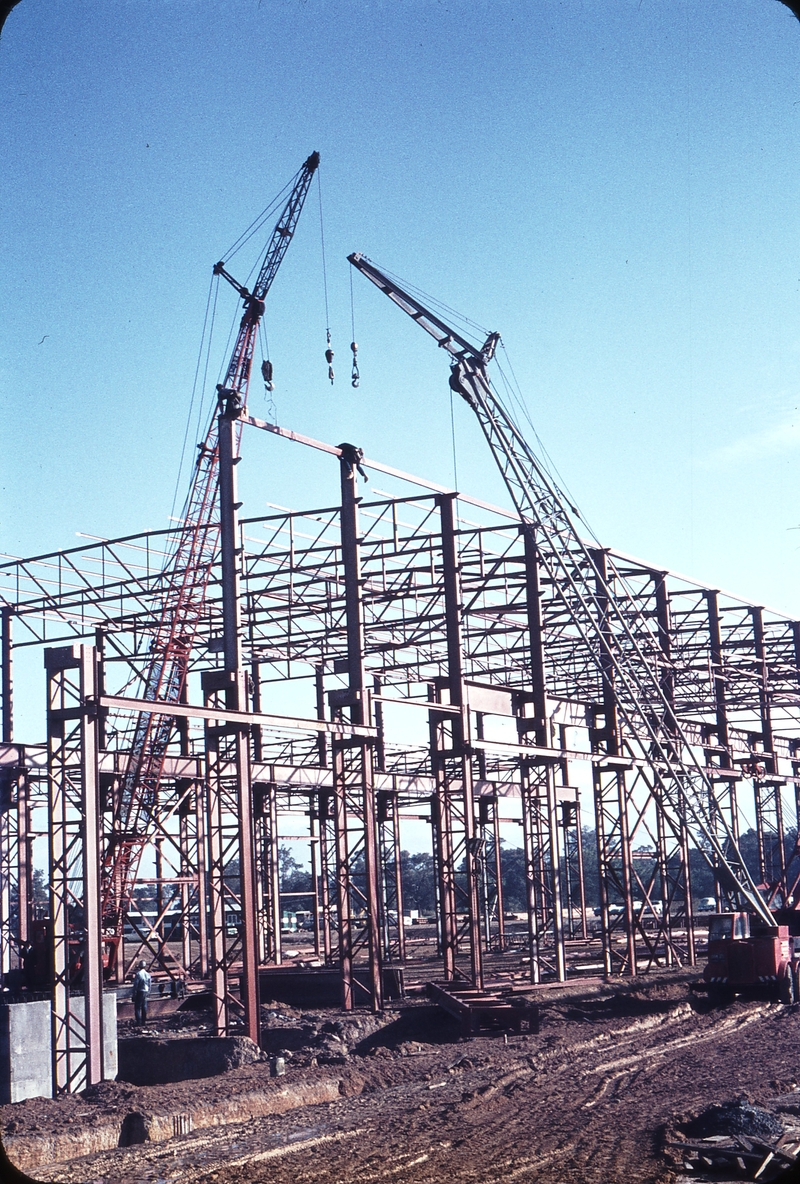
(728,927)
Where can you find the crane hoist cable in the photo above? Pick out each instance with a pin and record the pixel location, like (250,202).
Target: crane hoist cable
(329,347)
(355,377)
(267,374)
(204,350)
(453,438)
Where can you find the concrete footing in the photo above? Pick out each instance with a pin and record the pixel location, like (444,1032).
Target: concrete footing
(26,1048)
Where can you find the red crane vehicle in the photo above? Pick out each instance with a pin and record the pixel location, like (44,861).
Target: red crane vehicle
(746,956)
(751,948)
(184,583)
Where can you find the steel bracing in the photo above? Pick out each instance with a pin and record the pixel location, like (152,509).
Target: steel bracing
(355,665)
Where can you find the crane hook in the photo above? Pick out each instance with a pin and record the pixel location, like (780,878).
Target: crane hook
(329,357)
(266,374)
(356,377)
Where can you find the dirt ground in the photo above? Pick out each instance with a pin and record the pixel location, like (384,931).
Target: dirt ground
(588,1099)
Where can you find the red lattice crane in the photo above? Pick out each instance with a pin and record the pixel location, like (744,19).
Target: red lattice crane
(183,588)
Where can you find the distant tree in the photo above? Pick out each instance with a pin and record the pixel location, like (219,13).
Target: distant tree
(591,868)
(292,875)
(417,875)
(41,888)
(701,874)
(512,862)
(512,865)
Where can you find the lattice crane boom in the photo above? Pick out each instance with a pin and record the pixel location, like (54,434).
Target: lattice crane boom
(622,640)
(184,582)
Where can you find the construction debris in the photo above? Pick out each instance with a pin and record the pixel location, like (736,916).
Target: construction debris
(739,1139)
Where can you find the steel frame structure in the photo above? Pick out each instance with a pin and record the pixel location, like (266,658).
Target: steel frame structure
(433,666)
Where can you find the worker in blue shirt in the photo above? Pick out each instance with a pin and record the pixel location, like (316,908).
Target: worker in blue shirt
(141,990)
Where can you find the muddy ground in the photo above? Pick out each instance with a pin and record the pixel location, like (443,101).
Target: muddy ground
(588,1099)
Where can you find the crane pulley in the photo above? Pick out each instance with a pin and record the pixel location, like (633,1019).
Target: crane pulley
(614,628)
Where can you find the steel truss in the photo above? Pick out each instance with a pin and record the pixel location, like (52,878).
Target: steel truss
(380,657)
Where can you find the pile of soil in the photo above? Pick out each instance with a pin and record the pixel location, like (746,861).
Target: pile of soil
(316,1038)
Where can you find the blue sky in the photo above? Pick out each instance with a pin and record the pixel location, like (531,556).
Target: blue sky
(612,185)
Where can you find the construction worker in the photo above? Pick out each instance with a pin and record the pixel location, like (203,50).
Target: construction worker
(141,989)
(29,959)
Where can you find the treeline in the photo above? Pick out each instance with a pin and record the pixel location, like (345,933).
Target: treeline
(417,870)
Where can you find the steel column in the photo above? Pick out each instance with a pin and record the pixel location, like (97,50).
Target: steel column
(393,941)
(492,880)
(530,794)
(24,858)
(184,807)
(725,801)
(9,864)
(201,864)
(6,680)
(672,856)
(451,758)
(265,797)
(74,828)
(314,840)
(611,797)
(353,781)
(237,699)
(326,889)
(767,789)
(537,782)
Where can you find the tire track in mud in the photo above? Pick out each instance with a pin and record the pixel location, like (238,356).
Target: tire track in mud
(540,1077)
(575,1110)
(720,1030)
